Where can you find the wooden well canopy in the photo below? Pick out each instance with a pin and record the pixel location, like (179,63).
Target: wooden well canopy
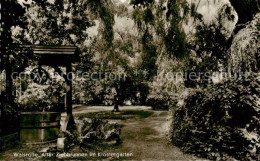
(53,55)
(56,56)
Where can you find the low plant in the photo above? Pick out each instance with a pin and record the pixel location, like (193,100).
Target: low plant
(92,132)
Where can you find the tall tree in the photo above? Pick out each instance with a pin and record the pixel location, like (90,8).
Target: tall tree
(11,15)
(243,44)
(246,10)
(161,34)
(119,62)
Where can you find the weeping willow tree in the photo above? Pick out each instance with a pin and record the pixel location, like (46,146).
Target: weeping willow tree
(162,40)
(118,62)
(163,21)
(236,49)
(160,28)
(161,34)
(244,43)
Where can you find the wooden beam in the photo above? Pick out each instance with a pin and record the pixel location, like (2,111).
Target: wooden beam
(55,50)
(69,88)
(71,123)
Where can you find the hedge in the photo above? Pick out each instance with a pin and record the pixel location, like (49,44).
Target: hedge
(221,121)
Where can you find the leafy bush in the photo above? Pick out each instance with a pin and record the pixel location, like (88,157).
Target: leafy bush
(158,104)
(221,121)
(244,51)
(167,86)
(92,132)
(40,97)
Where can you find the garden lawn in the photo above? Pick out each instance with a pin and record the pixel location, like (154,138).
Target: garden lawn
(123,115)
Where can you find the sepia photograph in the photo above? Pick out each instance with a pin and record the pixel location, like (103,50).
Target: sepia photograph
(116,80)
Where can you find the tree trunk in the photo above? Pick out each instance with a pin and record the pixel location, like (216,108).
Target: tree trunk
(116,100)
(116,107)
(9,82)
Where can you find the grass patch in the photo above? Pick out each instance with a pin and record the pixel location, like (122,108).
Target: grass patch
(141,114)
(104,115)
(116,116)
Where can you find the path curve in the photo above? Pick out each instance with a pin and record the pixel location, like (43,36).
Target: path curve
(148,139)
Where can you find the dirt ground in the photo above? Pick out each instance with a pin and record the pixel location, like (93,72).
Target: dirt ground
(143,139)
(148,139)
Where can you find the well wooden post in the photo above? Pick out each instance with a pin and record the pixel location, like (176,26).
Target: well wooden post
(69,89)
(70,123)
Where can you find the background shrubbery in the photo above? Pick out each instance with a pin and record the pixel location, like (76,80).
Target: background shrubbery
(221,121)
(158,103)
(40,97)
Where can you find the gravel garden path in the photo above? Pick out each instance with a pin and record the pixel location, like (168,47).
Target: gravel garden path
(148,139)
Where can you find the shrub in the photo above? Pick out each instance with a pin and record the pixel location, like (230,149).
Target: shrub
(221,121)
(35,98)
(167,85)
(244,51)
(40,97)
(158,104)
(93,132)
